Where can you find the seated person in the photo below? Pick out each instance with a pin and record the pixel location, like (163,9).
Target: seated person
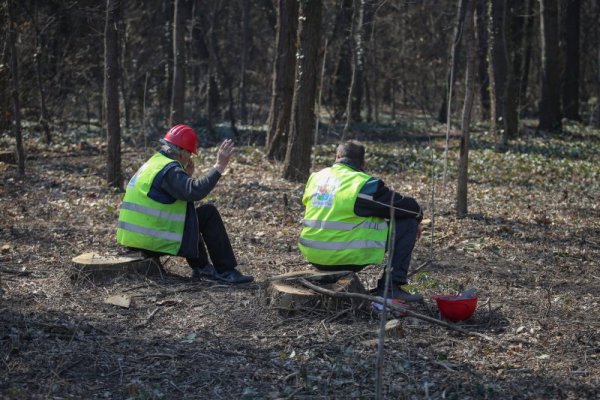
(345,221)
(158,216)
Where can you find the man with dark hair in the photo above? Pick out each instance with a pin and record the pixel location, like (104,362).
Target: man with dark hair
(345,225)
(158,215)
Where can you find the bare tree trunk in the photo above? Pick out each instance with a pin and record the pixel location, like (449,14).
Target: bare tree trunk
(177,115)
(342,76)
(527,46)
(499,72)
(444,112)
(570,85)
(597,111)
(458,33)
(284,67)
(482,58)
(44,119)
(111,94)
(356,63)
(463,163)
(297,158)
(14,69)
(246,41)
(550,118)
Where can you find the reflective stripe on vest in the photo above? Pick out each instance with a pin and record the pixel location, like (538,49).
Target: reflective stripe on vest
(145,223)
(344,226)
(354,244)
(332,233)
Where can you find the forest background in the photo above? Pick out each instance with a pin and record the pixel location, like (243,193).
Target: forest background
(487,111)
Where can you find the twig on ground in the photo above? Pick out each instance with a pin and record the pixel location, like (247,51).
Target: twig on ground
(420,267)
(411,313)
(141,325)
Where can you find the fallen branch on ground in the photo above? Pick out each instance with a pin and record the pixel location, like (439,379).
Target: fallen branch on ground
(406,311)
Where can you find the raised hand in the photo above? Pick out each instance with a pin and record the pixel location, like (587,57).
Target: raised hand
(224,154)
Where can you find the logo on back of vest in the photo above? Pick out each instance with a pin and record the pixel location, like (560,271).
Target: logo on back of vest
(325,192)
(134,178)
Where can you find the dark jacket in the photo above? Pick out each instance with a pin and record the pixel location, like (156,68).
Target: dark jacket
(173,183)
(377,198)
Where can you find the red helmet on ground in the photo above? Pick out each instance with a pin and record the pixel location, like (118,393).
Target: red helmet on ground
(183,136)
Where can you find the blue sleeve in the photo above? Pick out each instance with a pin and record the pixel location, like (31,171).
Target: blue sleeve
(177,183)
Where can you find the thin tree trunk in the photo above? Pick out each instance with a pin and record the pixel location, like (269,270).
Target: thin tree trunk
(44,119)
(597,112)
(177,115)
(444,112)
(463,163)
(550,117)
(514,32)
(284,67)
(297,158)
(527,45)
(570,86)
(458,33)
(246,41)
(111,94)
(482,58)
(499,72)
(14,69)
(356,36)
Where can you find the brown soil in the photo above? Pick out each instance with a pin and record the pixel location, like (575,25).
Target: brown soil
(533,259)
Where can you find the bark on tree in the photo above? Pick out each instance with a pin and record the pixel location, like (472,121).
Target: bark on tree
(482,59)
(342,80)
(498,69)
(463,163)
(355,89)
(596,121)
(444,112)
(570,81)
(527,46)
(44,118)
(177,115)
(297,158)
(549,108)
(514,28)
(14,71)
(246,40)
(284,67)
(111,94)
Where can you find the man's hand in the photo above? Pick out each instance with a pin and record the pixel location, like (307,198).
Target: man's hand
(190,168)
(224,153)
(419,231)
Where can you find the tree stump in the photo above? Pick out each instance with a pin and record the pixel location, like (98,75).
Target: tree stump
(97,267)
(289,296)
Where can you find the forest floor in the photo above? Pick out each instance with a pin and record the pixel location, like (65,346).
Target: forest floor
(530,245)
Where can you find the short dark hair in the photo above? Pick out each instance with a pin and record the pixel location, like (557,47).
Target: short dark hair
(353,150)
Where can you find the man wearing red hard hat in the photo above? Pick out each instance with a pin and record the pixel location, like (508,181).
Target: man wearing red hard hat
(158,215)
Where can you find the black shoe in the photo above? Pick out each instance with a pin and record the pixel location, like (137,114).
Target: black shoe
(232,276)
(396,292)
(207,272)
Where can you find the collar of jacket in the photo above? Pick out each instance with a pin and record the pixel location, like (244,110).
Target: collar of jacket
(350,163)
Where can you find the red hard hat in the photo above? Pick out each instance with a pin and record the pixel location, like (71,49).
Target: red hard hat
(184,137)
(456,308)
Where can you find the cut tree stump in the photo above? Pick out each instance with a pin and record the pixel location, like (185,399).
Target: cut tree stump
(289,296)
(96,266)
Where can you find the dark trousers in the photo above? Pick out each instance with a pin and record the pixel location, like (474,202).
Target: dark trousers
(213,237)
(405,237)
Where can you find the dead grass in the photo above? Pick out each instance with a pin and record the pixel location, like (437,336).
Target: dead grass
(531,250)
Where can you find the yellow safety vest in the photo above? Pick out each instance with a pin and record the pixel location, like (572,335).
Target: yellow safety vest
(145,223)
(332,233)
